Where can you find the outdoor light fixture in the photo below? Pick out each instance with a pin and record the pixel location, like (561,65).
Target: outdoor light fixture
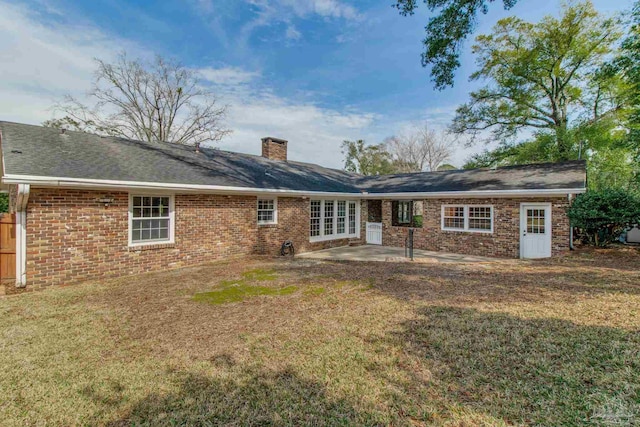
(106,200)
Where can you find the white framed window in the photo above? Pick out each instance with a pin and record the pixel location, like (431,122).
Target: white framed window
(480,218)
(352,217)
(472,218)
(151,219)
(342,217)
(328,217)
(267,211)
(333,219)
(404,212)
(316,218)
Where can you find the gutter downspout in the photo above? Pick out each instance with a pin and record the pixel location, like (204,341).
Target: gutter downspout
(570,197)
(22,198)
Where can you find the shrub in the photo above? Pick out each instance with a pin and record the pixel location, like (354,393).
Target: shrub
(603,215)
(4,202)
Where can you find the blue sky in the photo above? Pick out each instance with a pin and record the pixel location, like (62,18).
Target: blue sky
(315,72)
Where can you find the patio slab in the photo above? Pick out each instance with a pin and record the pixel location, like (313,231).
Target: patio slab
(389,254)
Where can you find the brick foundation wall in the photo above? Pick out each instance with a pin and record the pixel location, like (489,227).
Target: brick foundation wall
(503,242)
(72,237)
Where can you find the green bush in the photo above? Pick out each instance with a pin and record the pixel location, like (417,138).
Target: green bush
(417,221)
(603,215)
(4,202)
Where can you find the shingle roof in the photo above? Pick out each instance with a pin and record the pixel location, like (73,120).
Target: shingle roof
(46,152)
(541,176)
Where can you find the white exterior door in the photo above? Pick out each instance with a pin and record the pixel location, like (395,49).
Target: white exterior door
(535,230)
(374,233)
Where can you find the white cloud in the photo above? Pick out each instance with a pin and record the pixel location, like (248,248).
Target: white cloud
(324,8)
(41,63)
(292,33)
(228,75)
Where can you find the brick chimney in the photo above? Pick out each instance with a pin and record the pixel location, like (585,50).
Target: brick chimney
(274,148)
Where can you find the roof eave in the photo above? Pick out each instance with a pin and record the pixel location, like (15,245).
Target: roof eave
(114,185)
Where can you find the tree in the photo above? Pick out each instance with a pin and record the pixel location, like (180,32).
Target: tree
(446,32)
(160,101)
(610,162)
(603,215)
(366,159)
(542,75)
(628,65)
(423,149)
(446,167)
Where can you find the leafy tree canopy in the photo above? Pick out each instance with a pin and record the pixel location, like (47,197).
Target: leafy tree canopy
(543,77)
(367,159)
(446,32)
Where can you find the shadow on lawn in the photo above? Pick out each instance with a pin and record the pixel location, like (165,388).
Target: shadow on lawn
(496,283)
(527,371)
(250,398)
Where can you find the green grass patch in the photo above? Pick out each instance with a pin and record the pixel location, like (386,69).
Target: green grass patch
(240,292)
(315,291)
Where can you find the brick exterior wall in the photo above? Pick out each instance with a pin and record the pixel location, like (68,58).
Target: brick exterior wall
(72,237)
(503,242)
(293,224)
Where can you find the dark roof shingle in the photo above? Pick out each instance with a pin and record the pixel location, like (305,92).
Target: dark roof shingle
(46,152)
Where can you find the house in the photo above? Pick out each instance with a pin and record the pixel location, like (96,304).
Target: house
(89,207)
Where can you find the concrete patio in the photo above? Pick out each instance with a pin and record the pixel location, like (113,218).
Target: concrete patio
(389,254)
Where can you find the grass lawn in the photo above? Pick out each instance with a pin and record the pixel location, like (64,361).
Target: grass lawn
(276,342)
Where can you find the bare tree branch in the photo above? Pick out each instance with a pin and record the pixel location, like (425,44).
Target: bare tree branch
(160,101)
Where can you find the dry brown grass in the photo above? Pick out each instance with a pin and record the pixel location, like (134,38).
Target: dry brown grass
(552,342)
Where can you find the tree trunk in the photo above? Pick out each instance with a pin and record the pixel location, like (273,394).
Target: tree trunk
(562,141)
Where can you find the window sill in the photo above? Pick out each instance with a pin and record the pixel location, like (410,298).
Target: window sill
(454,230)
(338,237)
(151,246)
(267,224)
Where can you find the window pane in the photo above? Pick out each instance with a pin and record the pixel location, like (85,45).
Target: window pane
(352,218)
(315,209)
(480,218)
(328,209)
(143,227)
(328,226)
(315,227)
(454,223)
(479,224)
(454,211)
(454,217)
(341,225)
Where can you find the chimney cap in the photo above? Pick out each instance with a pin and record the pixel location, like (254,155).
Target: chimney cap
(272,139)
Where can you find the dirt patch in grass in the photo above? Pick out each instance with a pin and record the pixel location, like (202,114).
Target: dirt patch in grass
(552,342)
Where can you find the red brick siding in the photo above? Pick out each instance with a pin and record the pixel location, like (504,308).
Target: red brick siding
(293,224)
(503,242)
(71,236)
(274,150)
